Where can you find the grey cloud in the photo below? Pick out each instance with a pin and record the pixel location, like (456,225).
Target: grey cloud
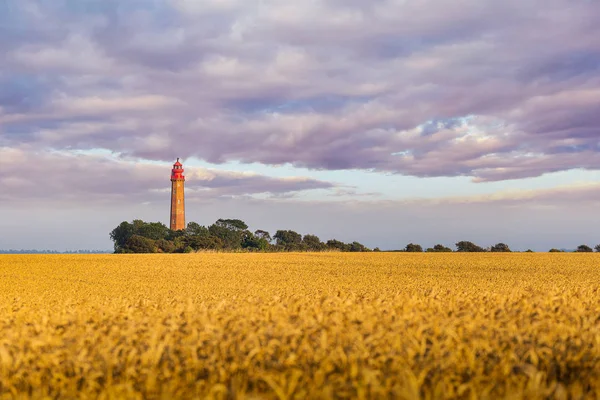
(587,193)
(242,183)
(22,93)
(324,85)
(27,175)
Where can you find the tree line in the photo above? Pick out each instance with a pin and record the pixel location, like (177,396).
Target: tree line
(233,235)
(225,234)
(470,247)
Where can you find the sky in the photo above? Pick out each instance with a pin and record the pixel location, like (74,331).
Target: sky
(381,121)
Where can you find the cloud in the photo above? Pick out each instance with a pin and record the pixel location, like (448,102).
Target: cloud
(34,176)
(489,90)
(30,176)
(576,193)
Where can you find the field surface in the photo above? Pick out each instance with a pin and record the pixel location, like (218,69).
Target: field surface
(285,326)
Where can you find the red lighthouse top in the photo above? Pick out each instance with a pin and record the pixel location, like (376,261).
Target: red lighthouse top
(177,171)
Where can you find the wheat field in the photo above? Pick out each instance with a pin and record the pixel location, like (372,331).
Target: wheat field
(284,326)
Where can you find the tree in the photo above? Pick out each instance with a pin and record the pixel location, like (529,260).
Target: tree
(263,235)
(529,251)
(175,234)
(232,224)
(193,228)
(120,235)
(199,242)
(334,244)
(413,248)
(140,244)
(597,248)
(358,247)
(254,242)
(313,243)
(230,231)
(584,249)
(468,247)
(138,225)
(150,230)
(500,248)
(439,248)
(125,231)
(165,246)
(377,250)
(289,240)
(555,251)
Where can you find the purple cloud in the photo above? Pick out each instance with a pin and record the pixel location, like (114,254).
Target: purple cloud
(483,89)
(27,175)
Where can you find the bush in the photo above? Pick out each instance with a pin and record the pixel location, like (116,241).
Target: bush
(468,247)
(334,244)
(358,247)
(140,244)
(584,249)
(439,248)
(313,243)
(413,248)
(165,246)
(500,248)
(289,240)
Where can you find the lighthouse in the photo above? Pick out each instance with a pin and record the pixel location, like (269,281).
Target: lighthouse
(177,220)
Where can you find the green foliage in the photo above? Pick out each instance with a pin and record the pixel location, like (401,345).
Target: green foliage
(194,228)
(125,231)
(203,242)
(150,230)
(255,242)
(313,243)
(120,235)
(232,224)
(413,248)
(529,251)
(500,248)
(334,244)
(225,234)
(140,244)
(468,247)
(175,234)
(289,240)
(233,234)
(584,249)
(439,248)
(229,231)
(263,235)
(358,247)
(165,246)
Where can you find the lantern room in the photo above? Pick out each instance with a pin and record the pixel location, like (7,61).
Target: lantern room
(177,171)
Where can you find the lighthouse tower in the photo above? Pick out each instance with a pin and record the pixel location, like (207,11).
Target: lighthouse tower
(177,220)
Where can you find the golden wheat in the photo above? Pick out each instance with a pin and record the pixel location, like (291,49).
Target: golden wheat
(300,326)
